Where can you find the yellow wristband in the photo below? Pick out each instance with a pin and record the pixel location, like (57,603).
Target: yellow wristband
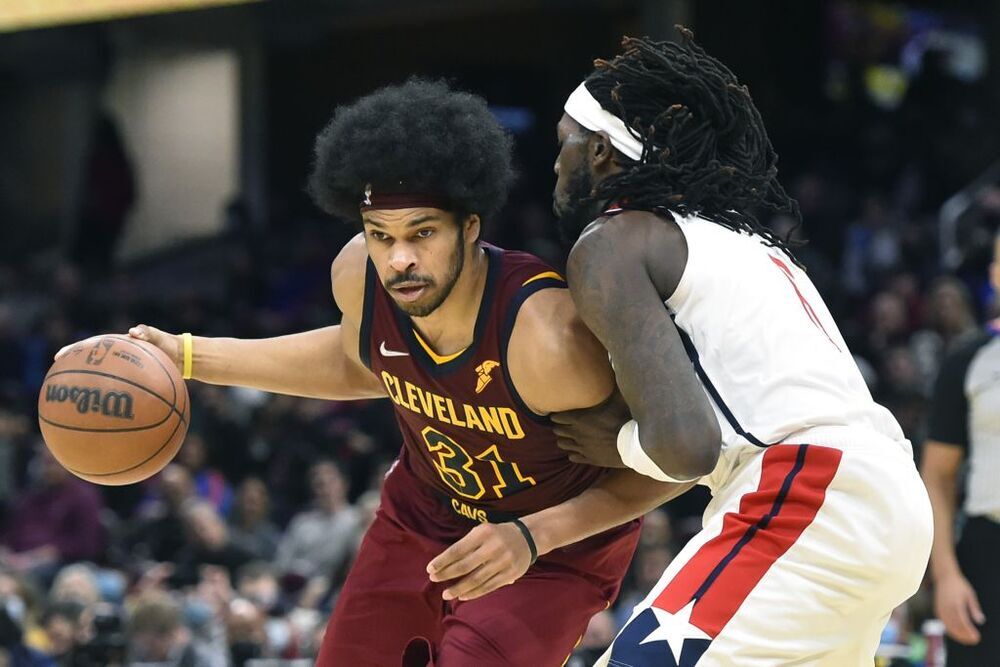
(188,355)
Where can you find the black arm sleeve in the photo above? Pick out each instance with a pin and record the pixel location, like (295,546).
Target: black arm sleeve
(949,414)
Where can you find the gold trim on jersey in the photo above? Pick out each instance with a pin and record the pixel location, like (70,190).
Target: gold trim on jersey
(540,276)
(435,357)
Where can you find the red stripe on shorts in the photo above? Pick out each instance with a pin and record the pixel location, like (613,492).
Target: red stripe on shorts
(792,487)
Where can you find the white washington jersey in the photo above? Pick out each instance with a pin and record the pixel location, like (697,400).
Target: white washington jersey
(765,346)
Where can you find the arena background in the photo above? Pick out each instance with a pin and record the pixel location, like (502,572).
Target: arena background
(153,156)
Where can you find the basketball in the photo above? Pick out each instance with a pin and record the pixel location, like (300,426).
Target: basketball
(113,410)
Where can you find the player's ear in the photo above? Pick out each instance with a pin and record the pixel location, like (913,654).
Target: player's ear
(473,227)
(600,151)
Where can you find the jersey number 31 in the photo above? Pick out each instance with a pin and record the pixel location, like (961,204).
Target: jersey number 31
(456,468)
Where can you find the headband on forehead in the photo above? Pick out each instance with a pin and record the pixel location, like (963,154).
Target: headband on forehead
(397,200)
(584,109)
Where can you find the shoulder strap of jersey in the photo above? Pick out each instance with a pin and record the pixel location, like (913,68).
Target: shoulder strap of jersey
(367,315)
(545,279)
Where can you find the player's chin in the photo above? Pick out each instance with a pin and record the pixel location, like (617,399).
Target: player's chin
(421,308)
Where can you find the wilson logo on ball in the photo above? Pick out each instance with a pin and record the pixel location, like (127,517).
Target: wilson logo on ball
(88,399)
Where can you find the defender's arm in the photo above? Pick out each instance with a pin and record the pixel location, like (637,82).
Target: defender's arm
(620,272)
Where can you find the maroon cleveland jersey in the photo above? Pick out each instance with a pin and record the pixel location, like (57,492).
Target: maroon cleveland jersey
(466,432)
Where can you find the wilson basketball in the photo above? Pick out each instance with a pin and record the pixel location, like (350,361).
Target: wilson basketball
(113,410)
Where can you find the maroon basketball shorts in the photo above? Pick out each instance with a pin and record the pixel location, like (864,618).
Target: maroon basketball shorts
(389,607)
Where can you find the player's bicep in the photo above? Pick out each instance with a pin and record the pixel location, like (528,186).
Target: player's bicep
(616,299)
(550,346)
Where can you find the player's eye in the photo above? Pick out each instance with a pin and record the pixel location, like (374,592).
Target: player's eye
(425,233)
(378,236)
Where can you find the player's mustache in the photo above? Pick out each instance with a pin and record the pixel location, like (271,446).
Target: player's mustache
(409,278)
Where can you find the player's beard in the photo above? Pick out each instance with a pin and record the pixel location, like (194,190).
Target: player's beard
(455,265)
(578,208)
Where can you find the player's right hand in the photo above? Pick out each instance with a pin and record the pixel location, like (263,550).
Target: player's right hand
(170,343)
(956,604)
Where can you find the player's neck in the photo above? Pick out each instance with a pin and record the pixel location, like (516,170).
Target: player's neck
(451,327)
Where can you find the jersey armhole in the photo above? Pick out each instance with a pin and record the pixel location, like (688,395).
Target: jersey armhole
(367,314)
(542,281)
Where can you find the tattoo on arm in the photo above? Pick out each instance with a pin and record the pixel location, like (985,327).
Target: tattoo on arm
(618,300)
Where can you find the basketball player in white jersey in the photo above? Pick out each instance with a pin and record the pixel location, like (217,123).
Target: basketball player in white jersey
(819,524)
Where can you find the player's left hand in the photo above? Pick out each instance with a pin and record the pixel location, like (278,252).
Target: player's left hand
(490,556)
(590,435)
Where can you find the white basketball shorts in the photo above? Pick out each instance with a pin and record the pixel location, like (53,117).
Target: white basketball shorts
(805,551)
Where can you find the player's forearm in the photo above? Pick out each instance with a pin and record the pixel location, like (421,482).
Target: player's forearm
(311,364)
(941,491)
(622,495)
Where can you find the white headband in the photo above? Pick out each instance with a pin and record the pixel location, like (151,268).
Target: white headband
(584,109)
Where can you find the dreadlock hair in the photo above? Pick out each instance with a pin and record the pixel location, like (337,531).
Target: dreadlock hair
(705,149)
(420,137)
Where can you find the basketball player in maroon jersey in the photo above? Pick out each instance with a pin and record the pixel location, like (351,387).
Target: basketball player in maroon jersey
(475,346)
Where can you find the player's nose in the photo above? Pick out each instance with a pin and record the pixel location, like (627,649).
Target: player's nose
(402,256)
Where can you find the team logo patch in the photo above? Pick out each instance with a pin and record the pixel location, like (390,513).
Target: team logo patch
(484,370)
(657,638)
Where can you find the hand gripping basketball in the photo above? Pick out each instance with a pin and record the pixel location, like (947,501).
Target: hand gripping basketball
(169,343)
(114,409)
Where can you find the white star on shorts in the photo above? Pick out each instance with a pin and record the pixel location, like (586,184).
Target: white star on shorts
(675,629)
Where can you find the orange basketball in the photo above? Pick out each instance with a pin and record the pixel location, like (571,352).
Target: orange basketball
(114,410)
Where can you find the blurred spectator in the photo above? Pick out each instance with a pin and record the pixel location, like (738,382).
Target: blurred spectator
(13,649)
(209,483)
(899,373)
(596,639)
(258,582)
(648,565)
(887,326)
(209,543)
(63,622)
(965,427)
(656,530)
(157,635)
(320,540)
(157,532)
(76,583)
(873,246)
(245,630)
(950,317)
(250,524)
(55,520)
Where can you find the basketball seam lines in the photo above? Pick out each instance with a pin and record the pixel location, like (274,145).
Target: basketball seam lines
(137,465)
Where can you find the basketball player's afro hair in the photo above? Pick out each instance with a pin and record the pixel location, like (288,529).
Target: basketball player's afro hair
(420,137)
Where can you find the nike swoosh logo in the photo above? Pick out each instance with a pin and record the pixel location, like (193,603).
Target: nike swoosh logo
(386,352)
